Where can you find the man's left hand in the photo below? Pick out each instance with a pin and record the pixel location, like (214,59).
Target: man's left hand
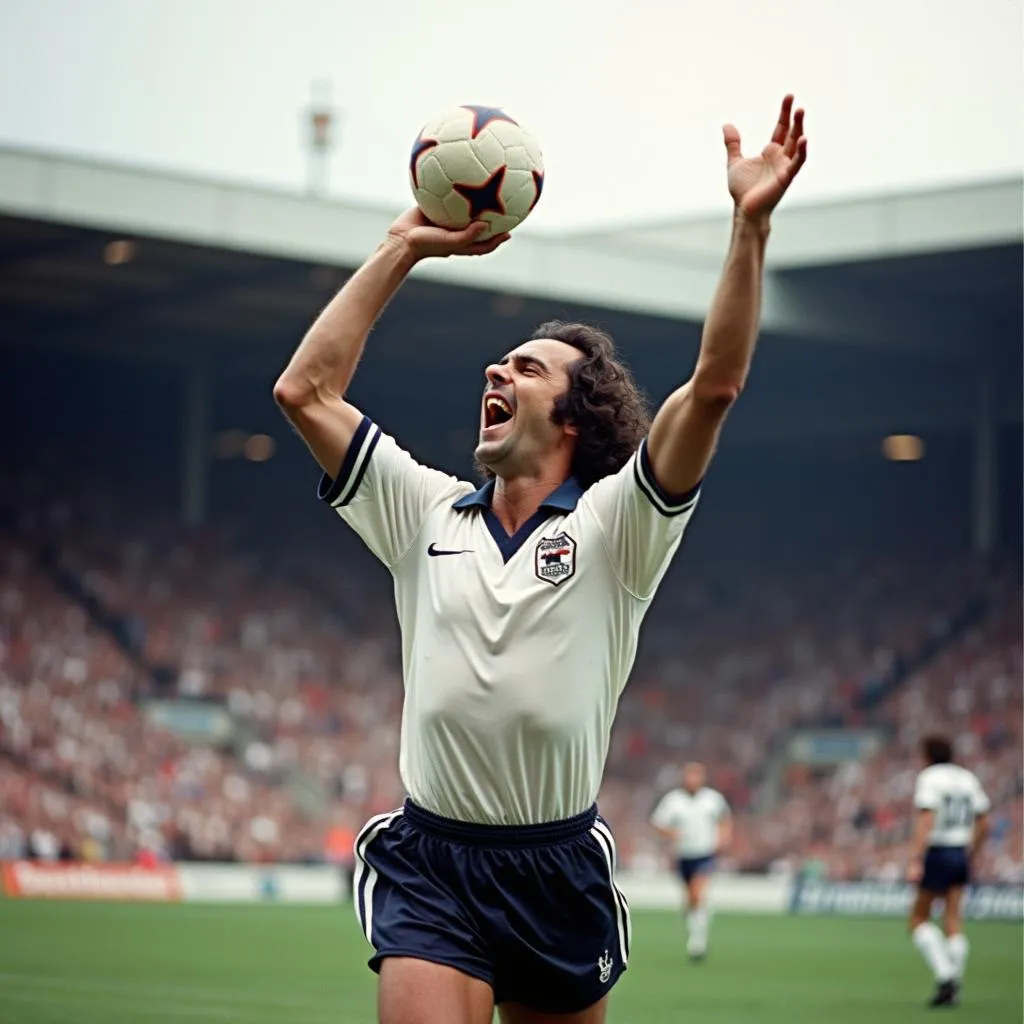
(758,183)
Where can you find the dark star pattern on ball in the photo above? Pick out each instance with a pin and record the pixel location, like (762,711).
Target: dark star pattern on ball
(538,187)
(421,146)
(485,198)
(483,116)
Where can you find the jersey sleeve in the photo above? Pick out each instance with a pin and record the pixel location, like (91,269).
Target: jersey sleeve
(926,794)
(641,523)
(723,808)
(980,800)
(664,815)
(383,493)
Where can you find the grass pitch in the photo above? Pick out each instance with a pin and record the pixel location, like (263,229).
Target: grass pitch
(82,963)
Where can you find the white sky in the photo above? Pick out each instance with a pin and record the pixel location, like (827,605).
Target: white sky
(625,96)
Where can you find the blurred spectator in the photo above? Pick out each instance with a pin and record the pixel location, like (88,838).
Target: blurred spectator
(109,603)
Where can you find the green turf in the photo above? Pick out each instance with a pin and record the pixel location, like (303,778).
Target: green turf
(79,963)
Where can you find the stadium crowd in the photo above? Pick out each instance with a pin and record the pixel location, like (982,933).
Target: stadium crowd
(111,610)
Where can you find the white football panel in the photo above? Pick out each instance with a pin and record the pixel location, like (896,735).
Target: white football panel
(457,209)
(534,153)
(461,163)
(432,175)
(489,151)
(518,159)
(507,133)
(500,223)
(518,192)
(432,206)
(450,126)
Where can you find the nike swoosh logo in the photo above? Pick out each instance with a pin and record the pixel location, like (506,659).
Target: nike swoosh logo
(434,551)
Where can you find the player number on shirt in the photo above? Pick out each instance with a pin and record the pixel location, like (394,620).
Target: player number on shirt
(956,812)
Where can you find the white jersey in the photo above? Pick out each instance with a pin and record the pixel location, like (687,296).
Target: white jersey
(693,819)
(956,797)
(515,649)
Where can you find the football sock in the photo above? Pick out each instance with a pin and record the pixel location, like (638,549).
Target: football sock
(931,944)
(697,924)
(958,949)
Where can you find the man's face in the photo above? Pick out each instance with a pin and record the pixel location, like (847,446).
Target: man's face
(516,430)
(693,777)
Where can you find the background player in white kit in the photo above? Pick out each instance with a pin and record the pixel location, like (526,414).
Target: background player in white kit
(950,826)
(695,818)
(519,605)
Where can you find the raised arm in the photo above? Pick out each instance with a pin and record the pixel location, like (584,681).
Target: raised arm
(311,391)
(685,431)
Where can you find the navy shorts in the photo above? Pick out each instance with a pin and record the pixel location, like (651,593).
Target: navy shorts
(532,910)
(945,867)
(690,866)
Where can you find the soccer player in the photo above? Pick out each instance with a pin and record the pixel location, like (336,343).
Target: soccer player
(950,826)
(696,819)
(519,604)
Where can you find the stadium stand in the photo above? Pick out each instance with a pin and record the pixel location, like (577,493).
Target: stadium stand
(230,690)
(109,603)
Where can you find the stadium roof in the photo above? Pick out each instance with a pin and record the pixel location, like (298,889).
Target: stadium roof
(234,272)
(899,225)
(669,270)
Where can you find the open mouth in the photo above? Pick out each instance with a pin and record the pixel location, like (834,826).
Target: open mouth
(496,411)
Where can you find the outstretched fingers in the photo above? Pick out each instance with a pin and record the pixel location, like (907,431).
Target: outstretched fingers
(796,133)
(800,158)
(489,245)
(783,123)
(470,234)
(732,143)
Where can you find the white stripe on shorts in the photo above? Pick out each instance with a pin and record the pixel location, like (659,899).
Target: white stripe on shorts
(369,832)
(604,839)
(602,826)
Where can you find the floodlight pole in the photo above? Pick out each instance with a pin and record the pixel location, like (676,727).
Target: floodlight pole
(195,444)
(322,120)
(985,484)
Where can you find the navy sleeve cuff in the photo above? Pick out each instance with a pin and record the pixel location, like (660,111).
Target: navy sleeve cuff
(342,489)
(665,503)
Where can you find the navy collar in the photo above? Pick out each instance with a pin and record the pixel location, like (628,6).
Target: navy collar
(563,498)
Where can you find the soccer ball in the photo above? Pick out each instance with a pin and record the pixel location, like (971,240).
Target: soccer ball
(476,163)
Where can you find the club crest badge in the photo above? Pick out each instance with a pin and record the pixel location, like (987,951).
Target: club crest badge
(554,561)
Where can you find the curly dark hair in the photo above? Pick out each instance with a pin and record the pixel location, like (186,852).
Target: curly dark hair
(937,749)
(602,401)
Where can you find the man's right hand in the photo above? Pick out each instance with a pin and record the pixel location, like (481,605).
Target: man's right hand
(414,234)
